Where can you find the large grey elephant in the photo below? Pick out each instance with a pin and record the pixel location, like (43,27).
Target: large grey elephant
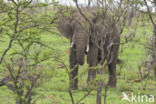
(87,41)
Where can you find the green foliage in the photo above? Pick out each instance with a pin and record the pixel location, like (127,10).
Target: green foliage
(54,90)
(22,25)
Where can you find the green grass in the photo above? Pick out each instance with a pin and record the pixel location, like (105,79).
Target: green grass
(54,89)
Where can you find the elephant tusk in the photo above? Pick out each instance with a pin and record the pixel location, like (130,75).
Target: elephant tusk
(72,44)
(87,50)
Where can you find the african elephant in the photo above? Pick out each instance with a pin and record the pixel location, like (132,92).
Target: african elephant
(82,43)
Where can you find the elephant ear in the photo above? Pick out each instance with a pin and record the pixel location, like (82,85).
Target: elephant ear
(65,28)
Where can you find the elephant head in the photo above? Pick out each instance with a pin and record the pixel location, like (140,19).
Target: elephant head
(78,36)
(80,42)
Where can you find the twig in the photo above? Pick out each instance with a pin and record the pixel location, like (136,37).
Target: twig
(4,82)
(6,50)
(99,89)
(69,91)
(27,4)
(83,97)
(71,96)
(28,94)
(13,35)
(80,11)
(14,2)
(149,13)
(105,96)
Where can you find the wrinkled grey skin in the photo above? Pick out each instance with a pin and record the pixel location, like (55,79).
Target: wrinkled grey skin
(83,44)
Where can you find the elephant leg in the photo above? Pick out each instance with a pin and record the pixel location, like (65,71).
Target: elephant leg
(112,75)
(74,70)
(112,66)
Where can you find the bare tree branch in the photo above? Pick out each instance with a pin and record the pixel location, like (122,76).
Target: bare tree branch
(149,13)
(83,15)
(105,94)
(13,1)
(6,50)
(27,4)
(28,94)
(71,96)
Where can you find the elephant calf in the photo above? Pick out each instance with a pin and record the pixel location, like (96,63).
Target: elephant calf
(99,44)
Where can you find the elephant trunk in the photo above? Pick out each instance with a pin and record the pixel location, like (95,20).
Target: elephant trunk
(82,46)
(80,54)
(81,41)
